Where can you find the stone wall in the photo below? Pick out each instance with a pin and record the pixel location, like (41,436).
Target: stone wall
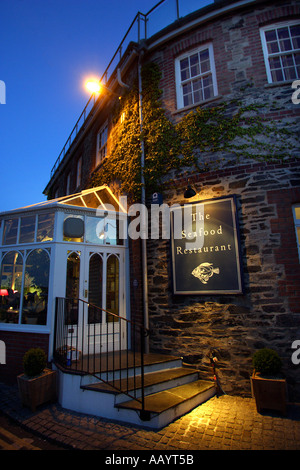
(268,312)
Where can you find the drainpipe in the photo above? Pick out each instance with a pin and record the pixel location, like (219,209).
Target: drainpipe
(143,201)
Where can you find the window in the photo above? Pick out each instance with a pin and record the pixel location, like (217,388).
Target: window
(195,77)
(24,287)
(281,48)
(68,184)
(101,144)
(10,232)
(11,286)
(78,172)
(296,211)
(29,229)
(36,285)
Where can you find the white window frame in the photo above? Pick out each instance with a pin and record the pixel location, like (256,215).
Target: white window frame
(212,72)
(270,27)
(78,172)
(102,138)
(297,225)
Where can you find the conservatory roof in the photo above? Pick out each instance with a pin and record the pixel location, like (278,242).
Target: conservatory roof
(100,198)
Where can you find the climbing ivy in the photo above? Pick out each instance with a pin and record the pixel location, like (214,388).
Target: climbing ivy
(230,128)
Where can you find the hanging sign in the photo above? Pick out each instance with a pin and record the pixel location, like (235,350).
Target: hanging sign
(205,248)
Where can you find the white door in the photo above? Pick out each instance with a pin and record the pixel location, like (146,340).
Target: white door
(96,276)
(103,292)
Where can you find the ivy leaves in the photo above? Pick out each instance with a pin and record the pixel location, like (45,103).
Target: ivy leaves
(229,128)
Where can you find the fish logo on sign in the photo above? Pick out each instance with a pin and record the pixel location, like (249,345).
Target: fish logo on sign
(205,271)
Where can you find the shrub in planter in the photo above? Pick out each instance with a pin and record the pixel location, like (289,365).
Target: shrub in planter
(38,384)
(268,387)
(34,362)
(266,362)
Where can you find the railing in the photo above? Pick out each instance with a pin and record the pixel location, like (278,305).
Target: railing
(142,27)
(91,340)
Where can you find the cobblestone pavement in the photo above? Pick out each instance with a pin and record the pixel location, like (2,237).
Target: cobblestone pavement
(224,423)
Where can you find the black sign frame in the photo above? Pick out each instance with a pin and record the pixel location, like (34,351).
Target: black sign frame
(216,267)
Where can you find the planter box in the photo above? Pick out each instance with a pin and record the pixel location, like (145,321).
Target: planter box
(269,393)
(37,390)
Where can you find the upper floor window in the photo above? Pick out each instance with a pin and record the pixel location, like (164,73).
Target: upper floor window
(68,184)
(195,76)
(78,172)
(296,211)
(281,48)
(101,144)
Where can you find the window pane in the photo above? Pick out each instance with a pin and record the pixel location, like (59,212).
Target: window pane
(297,213)
(283,33)
(11,285)
(273,47)
(271,35)
(36,285)
(10,231)
(72,287)
(187,94)
(285,45)
(27,229)
(277,76)
(195,68)
(184,68)
(95,288)
(45,227)
(94,230)
(112,288)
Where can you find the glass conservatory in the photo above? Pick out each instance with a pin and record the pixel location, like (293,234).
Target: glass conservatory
(72,247)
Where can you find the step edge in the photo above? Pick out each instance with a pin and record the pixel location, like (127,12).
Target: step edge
(208,387)
(95,386)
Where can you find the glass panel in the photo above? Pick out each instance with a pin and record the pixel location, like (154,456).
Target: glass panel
(95,288)
(91,200)
(27,229)
(72,287)
(45,227)
(112,288)
(298,235)
(94,230)
(11,285)
(110,232)
(184,67)
(36,284)
(297,212)
(10,231)
(195,67)
(271,35)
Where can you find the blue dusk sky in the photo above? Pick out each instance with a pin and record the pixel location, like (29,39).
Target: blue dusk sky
(47,49)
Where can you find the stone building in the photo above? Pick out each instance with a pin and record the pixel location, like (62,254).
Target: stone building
(215,95)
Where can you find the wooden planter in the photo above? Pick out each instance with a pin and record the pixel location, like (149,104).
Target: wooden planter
(38,390)
(269,393)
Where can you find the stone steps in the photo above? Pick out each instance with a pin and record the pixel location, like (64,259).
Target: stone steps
(171,389)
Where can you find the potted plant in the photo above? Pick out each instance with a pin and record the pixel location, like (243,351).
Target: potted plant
(267,384)
(38,384)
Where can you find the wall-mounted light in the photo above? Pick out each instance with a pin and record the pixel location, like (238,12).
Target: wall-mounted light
(189,192)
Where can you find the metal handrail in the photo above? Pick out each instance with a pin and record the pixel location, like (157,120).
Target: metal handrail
(75,348)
